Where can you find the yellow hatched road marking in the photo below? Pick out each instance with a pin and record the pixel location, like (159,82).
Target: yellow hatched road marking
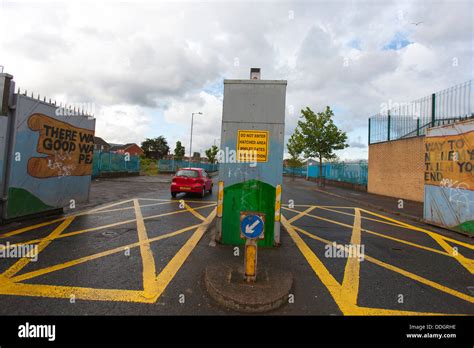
(342,299)
(74,233)
(398,270)
(350,283)
(194,212)
(148,261)
(378,234)
(75,262)
(17,266)
(301,214)
(12,287)
(170,270)
(441,240)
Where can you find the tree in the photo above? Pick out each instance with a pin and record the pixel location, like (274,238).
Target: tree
(295,148)
(155,148)
(320,136)
(179,151)
(211,154)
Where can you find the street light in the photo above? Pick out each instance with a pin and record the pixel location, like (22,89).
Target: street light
(191,141)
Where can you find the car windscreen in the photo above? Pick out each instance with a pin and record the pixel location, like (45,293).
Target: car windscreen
(187,173)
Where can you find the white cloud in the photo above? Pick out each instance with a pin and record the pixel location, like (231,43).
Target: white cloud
(148,60)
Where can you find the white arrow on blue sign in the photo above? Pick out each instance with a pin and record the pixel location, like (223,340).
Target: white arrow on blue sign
(252,226)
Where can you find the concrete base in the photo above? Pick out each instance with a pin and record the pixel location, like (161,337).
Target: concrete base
(226,285)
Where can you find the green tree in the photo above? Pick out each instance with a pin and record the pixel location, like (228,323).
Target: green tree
(295,147)
(211,153)
(320,136)
(179,151)
(156,148)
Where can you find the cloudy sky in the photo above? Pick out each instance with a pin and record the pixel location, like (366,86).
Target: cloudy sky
(145,66)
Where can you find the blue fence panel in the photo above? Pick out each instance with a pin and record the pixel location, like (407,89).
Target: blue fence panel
(172,165)
(106,162)
(356,173)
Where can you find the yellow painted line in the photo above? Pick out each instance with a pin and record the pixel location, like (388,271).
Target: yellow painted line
(411,227)
(220,198)
(379,234)
(312,205)
(362,217)
(148,261)
(301,214)
(29,228)
(441,240)
(278,203)
(350,282)
(32,227)
(174,200)
(18,266)
(399,270)
(464,261)
(67,292)
(421,279)
(126,208)
(170,270)
(74,233)
(75,262)
(319,269)
(194,212)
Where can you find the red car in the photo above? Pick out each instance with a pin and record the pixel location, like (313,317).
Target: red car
(194,180)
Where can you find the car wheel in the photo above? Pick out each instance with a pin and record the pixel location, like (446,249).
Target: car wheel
(203,192)
(173,194)
(210,190)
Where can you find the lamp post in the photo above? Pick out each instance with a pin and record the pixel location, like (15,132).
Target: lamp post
(191,141)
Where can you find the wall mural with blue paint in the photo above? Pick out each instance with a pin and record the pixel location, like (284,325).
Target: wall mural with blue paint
(51,163)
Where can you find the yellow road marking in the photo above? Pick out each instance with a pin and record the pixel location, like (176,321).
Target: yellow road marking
(74,233)
(75,262)
(67,292)
(170,270)
(126,208)
(174,200)
(194,212)
(148,261)
(379,234)
(17,266)
(301,214)
(441,240)
(411,227)
(350,283)
(32,227)
(398,270)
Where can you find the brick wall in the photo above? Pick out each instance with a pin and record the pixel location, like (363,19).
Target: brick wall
(396,169)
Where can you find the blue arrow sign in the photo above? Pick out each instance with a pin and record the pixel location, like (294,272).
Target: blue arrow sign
(252,226)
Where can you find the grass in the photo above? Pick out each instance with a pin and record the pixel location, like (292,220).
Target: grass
(148,167)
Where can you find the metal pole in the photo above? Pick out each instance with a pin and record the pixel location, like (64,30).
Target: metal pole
(191,142)
(433,108)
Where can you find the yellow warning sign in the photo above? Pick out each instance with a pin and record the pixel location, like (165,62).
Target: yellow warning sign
(252,145)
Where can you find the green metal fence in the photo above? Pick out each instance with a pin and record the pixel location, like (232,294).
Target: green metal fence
(105,162)
(403,120)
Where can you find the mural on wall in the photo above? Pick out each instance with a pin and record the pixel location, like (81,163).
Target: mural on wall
(449,180)
(52,159)
(70,149)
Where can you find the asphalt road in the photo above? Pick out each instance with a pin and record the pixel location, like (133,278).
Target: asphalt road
(134,250)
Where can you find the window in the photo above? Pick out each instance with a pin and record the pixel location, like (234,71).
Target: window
(187,173)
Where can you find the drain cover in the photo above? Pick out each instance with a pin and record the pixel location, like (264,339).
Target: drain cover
(109,233)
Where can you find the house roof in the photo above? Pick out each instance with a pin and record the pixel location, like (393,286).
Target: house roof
(100,141)
(123,146)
